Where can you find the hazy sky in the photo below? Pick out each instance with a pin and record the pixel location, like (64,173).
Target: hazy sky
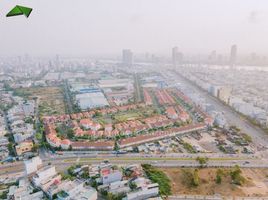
(107,26)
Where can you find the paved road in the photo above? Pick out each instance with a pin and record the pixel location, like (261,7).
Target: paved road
(67,97)
(258,135)
(137,89)
(62,162)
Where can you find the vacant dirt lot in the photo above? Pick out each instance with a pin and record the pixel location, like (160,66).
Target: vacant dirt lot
(256,183)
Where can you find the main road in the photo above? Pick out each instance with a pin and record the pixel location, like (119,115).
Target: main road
(258,135)
(62,162)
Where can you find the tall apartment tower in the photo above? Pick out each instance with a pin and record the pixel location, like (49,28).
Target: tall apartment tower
(233,55)
(176,56)
(127,57)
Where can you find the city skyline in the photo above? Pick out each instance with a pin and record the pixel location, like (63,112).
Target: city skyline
(93,28)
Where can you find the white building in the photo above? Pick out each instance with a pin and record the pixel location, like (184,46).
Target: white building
(224,94)
(91,100)
(119,187)
(44,174)
(24,191)
(32,165)
(28,108)
(75,190)
(112,177)
(151,190)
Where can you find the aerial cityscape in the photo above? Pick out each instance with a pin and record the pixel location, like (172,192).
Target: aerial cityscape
(128,122)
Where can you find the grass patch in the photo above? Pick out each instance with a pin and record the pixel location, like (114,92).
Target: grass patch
(157,176)
(122,117)
(189,147)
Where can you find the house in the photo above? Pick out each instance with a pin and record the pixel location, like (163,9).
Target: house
(86,123)
(109,175)
(65,144)
(70,190)
(171,113)
(99,145)
(89,124)
(43,175)
(24,191)
(117,187)
(108,127)
(32,165)
(151,190)
(24,147)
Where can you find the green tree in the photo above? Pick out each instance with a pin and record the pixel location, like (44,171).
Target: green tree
(190,177)
(196,178)
(70,133)
(157,176)
(11,149)
(248,138)
(219,174)
(35,147)
(116,146)
(236,175)
(202,161)
(39,136)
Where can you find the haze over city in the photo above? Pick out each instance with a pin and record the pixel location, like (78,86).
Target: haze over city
(105,27)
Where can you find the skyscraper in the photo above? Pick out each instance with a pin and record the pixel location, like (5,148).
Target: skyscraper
(127,57)
(212,57)
(176,56)
(233,55)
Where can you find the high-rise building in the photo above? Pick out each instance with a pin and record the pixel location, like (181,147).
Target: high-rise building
(233,55)
(176,56)
(224,93)
(32,165)
(127,58)
(212,58)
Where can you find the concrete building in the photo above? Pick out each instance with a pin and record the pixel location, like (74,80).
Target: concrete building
(32,165)
(76,190)
(233,55)
(111,176)
(43,175)
(116,83)
(91,100)
(149,191)
(24,191)
(28,108)
(119,187)
(176,56)
(24,147)
(127,57)
(224,94)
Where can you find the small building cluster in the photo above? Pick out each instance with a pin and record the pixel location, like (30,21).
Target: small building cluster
(128,182)
(46,181)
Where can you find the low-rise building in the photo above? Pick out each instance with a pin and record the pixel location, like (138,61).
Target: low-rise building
(43,175)
(151,190)
(32,165)
(24,147)
(76,190)
(109,176)
(24,191)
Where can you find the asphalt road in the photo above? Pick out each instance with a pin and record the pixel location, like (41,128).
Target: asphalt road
(62,163)
(68,98)
(137,88)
